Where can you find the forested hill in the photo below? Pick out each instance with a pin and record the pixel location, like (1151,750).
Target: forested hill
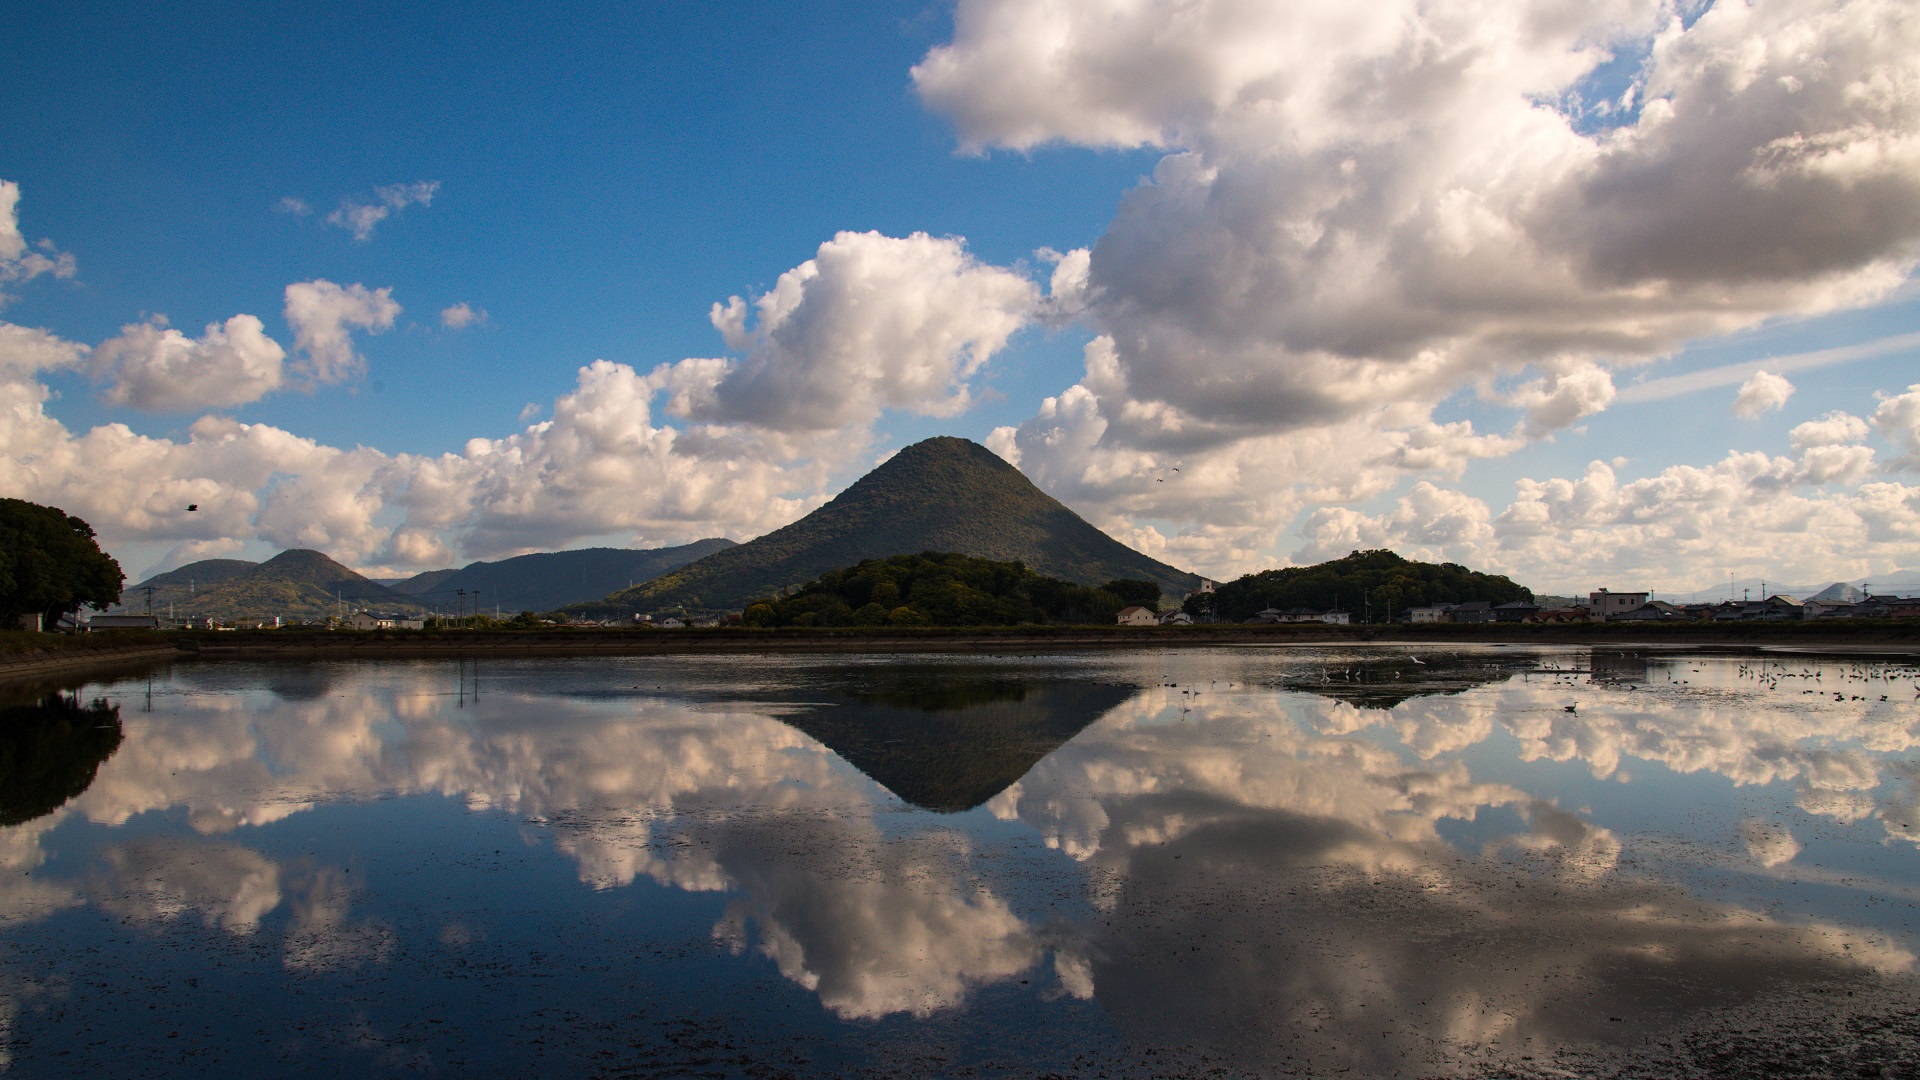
(942,589)
(1387,581)
(943,494)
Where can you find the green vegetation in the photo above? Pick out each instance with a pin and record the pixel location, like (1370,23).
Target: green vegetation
(1133,592)
(1381,580)
(50,564)
(942,494)
(934,589)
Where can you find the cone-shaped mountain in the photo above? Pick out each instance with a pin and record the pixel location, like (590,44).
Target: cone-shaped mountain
(943,494)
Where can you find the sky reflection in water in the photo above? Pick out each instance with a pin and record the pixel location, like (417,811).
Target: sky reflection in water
(1250,860)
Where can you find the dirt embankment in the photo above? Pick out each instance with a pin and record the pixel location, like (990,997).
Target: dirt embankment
(1889,635)
(31,656)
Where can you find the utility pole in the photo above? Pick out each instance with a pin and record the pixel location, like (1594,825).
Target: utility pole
(149,592)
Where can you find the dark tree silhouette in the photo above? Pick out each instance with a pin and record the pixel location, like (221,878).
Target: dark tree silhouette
(50,563)
(50,751)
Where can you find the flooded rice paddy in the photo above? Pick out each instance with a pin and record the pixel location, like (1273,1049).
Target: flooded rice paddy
(1243,861)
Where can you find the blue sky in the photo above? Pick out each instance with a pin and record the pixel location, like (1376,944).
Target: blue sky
(1296,283)
(606,173)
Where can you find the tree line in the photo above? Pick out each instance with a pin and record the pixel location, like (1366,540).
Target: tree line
(1376,580)
(945,589)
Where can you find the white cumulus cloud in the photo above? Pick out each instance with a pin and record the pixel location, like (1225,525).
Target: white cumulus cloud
(602,465)
(152,366)
(1806,515)
(462,315)
(1762,393)
(361,218)
(1898,421)
(1365,210)
(871,322)
(20,261)
(323,316)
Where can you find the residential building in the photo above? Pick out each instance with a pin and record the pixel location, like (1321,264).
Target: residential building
(1473,611)
(1772,609)
(1176,617)
(1653,611)
(1434,614)
(1517,611)
(1135,615)
(1606,603)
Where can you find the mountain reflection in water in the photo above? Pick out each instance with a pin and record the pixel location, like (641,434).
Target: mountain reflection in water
(1154,863)
(949,741)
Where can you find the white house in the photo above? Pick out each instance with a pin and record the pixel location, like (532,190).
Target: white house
(1337,618)
(1135,615)
(1176,617)
(1435,614)
(1605,604)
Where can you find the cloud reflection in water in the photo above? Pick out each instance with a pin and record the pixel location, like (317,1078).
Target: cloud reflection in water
(1267,876)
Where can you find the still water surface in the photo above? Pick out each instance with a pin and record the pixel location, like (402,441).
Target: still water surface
(1489,861)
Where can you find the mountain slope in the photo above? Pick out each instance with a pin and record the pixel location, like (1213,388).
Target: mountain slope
(296,584)
(419,583)
(203,573)
(943,494)
(544,581)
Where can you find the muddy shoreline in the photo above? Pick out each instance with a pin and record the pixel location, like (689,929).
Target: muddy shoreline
(281,644)
(1883,639)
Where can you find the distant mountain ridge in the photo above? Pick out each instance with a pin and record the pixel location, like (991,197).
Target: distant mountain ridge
(1891,583)
(295,584)
(303,584)
(943,494)
(547,580)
